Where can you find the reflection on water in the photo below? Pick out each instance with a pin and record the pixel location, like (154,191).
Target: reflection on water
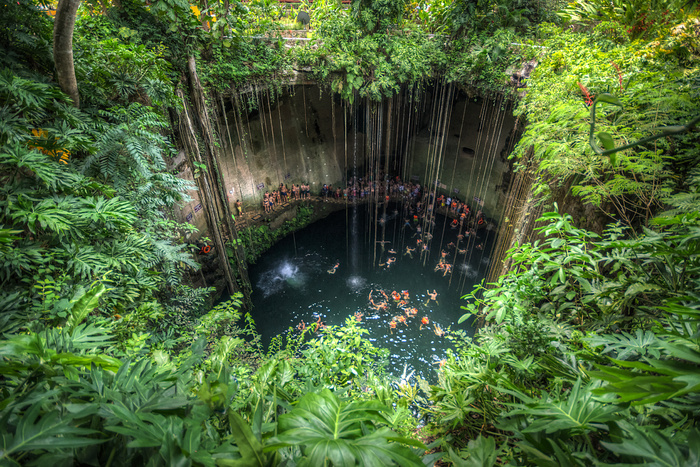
(290,288)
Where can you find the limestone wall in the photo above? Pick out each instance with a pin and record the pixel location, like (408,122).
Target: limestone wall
(304,135)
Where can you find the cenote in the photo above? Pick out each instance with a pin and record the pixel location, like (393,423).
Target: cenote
(292,282)
(156,310)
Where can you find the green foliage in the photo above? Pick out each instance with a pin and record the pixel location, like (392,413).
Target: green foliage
(344,433)
(25,36)
(649,92)
(340,355)
(607,373)
(376,15)
(640,17)
(257,240)
(374,65)
(111,71)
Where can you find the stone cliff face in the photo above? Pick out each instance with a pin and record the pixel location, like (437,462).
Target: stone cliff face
(305,135)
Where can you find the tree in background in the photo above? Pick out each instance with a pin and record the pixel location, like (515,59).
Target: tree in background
(63,48)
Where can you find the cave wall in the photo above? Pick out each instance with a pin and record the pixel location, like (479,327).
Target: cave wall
(475,144)
(305,135)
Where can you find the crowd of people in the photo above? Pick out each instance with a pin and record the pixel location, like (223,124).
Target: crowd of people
(284,194)
(412,194)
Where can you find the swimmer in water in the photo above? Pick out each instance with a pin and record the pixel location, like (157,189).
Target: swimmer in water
(392,326)
(440,362)
(301,326)
(334,268)
(409,252)
(320,325)
(395,295)
(358,316)
(401,319)
(462,252)
(405,294)
(424,322)
(432,296)
(448,269)
(438,330)
(392,251)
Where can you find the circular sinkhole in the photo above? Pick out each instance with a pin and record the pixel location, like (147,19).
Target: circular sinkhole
(294,282)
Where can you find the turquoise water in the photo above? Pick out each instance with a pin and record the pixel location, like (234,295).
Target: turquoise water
(291,282)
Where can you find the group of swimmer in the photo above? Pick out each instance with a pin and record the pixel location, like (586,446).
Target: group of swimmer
(314,327)
(380,301)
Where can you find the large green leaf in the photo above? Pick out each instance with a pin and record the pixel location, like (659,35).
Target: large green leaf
(344,433)
(84,305)
(249,446)
(43,431)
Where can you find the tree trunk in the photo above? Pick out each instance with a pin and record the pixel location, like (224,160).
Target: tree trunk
(63,48)
(207,197)
(219,203)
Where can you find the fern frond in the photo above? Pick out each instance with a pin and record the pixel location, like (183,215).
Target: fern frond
(21,160)
(85,262)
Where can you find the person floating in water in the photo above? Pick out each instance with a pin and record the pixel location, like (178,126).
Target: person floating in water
(409,252)
(401,319)
(424,321)
(438,330)
(334,268)
(432,296)
(392,326)
(381,305)
(391,251)
(448,269)
(395,295)
(440,362)
(404,294)
(319,325)
(301,326)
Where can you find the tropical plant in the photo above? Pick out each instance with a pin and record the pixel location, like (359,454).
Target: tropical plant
(326,428)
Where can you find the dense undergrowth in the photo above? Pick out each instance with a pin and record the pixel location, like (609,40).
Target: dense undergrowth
(590,350)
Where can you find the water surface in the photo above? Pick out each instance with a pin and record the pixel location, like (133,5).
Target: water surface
(291,282)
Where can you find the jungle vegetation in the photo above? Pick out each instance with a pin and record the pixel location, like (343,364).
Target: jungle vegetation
(589,350)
